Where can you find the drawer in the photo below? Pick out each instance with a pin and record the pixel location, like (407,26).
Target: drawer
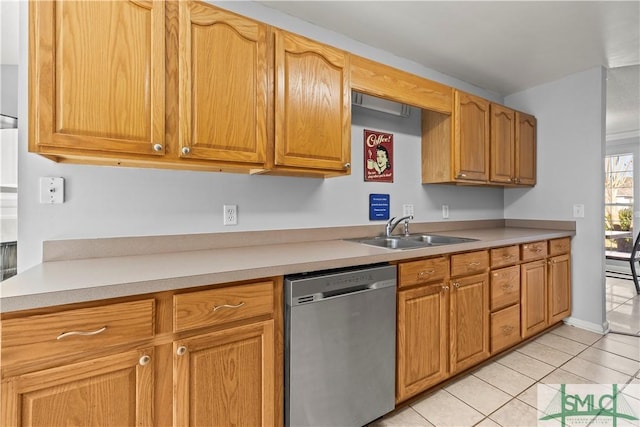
(560,246)
(505,287)
(534,250)
(504,256)
(76,331)
(469,263)
(222,305)
(423,271)
(505,328)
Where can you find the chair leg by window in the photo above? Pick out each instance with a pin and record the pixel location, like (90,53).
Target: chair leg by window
(635,275)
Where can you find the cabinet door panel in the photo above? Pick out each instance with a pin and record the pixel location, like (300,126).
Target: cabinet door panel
(469,326)
(533,297)
(503,129)
(559,288)
(97,76)
(471,138)
(422,339)
(113,390)
(226,378)
(223,77)
(313,104)
(525,149)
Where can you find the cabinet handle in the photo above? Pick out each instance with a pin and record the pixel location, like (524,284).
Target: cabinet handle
(144,360)
(462,175)
(181,350)
(423,273)
(157,147)
(507,287)
(456,284)
(81,333)
(186,150)
(510,256)
(218,307)
(446,288)
(347,165)
(507,329)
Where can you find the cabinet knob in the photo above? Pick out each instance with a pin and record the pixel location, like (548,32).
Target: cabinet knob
(144,360)
(185,151)
(456,284)
(181,350)
(446,288)
(347,165)
(157,147)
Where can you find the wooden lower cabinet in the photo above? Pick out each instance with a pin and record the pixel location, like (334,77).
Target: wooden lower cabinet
(469,326)
(423,337)
(226,377)
(559,286)
(505,328)
(115,390)
(533,297)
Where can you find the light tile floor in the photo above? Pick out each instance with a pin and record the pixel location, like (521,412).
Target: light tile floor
(504,392)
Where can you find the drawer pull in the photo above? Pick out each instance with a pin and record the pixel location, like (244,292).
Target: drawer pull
(144,360)
(426,272)
(507,329)
(81,333)
(218,307)
(507,287)
(472,265)
(510,256)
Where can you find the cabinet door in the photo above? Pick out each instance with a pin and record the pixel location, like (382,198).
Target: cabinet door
(533,294)
(313,104)
(422,339)
(97,76)
(471,138)
(115,390)
(559,288)
(503,131)
(226,378)
(469,325)
(525,149)
(223,85)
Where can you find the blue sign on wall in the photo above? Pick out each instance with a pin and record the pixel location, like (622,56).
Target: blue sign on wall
(378,207)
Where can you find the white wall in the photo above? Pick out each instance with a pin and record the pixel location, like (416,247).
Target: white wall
(571,128)
(109,201)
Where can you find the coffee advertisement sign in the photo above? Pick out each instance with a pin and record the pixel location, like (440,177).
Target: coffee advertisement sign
(378,156)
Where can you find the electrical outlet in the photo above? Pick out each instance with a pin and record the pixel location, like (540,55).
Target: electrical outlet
(445,211)
(407,210)
(230,215)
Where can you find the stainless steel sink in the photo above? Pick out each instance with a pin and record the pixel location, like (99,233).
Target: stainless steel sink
(412,241)
(435,239)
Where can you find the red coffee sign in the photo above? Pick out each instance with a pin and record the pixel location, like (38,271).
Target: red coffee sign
(378,156)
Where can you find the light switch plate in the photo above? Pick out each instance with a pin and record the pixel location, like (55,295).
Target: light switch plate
(407,210)
(578,211)
(51,190)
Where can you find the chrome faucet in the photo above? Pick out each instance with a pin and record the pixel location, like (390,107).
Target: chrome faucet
(393,223)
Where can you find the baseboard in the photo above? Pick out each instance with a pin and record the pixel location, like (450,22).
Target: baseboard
(589,326)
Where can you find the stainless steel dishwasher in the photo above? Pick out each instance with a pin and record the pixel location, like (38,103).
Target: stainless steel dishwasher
(340,346)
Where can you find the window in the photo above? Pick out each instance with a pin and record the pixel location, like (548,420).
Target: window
(618,202)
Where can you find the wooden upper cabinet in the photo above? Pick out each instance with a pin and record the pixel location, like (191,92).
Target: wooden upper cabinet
(503,135)
(312,105)
(471,138)
(525,149)
(223,63)
(97,77)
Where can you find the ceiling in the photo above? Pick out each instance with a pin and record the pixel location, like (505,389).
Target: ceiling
(502,46)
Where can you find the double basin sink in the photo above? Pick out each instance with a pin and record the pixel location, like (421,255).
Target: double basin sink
(412,241)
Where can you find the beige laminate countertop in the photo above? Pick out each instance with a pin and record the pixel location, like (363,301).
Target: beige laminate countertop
(79,280)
